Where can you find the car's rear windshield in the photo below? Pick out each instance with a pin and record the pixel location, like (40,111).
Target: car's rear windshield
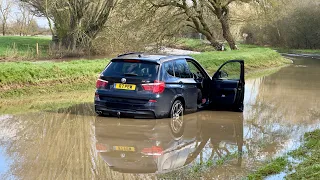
(139,69)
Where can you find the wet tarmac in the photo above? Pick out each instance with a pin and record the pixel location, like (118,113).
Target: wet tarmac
(73,143)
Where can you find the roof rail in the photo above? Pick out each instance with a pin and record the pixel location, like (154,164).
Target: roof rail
(130,53)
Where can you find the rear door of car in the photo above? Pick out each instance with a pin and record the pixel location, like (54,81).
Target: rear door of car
(179,82)
(228,84)
(187,83)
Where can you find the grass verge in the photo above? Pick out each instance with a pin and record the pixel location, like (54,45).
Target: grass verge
(32,79)
(308,156)
(192,45)
(256,58)
(273,167)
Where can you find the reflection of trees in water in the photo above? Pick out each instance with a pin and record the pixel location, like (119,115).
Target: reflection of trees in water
(293,92)
(283,110)
(55,146)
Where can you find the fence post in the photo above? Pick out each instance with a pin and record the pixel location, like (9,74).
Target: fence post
(37,49)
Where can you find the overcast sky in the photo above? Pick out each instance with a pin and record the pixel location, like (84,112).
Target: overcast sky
(42,22)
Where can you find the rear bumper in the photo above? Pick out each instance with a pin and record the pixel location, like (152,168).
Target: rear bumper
(139,113)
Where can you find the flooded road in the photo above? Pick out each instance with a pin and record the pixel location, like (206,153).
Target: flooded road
(75,144)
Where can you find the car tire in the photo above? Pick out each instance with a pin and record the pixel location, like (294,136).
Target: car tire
(176,122)
(177,108)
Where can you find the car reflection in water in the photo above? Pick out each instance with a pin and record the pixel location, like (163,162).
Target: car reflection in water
(160,146)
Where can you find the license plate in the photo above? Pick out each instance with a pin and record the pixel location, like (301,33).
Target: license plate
(126,86)
(124,148)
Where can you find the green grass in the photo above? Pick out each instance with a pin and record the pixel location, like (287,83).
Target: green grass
(309,155)
(256,58)
(20,80)
(25,78)
(273,167)
(16,74)
(192,44)
(23,47)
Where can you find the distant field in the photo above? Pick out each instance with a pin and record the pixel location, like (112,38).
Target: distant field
(23,47)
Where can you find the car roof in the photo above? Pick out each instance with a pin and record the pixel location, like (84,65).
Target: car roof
(156,58)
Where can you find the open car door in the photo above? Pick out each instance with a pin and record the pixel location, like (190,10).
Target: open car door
(228,86)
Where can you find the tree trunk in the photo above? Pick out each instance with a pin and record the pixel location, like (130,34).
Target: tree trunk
(218,46)
(227,33)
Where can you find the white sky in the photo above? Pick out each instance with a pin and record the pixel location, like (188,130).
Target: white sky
(42,22)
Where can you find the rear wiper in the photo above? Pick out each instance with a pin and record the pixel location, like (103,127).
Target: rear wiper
(130,74)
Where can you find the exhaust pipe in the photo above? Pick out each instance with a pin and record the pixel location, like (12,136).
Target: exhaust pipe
(118,114)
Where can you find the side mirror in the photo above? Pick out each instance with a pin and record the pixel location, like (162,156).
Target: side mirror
(222,74)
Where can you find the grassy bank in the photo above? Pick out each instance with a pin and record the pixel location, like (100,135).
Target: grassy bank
(256,58)
(191,44)
(32,79)
(302,163)
(20,78)
(23,47)
(309,155)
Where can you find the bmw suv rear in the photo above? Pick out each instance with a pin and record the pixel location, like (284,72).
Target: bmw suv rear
(156,86)
(130,85)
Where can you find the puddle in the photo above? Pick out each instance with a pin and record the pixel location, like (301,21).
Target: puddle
(75,144)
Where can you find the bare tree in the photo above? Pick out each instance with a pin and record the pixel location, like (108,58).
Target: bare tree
(24,19)
(138,28)
(199,14)
(5,10)
(76,22)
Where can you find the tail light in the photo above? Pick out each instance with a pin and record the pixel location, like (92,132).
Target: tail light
(101,84)
(156,87)
(101,147)
(153,151)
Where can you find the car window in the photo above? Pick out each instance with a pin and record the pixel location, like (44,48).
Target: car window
(136,69)
(168,67)
(231,71)
(195,71)
(181,69)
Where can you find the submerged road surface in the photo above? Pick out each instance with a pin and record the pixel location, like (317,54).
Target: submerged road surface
(75,144)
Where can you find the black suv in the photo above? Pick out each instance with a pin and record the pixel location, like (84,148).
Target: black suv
(157,86)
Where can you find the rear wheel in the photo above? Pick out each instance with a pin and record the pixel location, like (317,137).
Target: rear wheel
(177,109)
(176,122)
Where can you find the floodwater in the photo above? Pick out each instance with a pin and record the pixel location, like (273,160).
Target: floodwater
(75,144)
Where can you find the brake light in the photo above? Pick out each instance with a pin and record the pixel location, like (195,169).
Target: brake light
(101,147)
(153,151)
(156,87)
(101,84)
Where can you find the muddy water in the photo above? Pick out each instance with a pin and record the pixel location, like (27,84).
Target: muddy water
(75,144)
